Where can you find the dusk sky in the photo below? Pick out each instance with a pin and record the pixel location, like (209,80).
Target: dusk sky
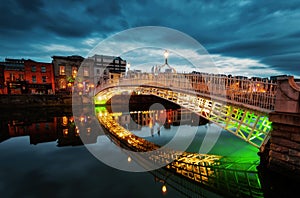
(252,38)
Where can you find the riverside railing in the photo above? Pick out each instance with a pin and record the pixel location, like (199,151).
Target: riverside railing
(255,92)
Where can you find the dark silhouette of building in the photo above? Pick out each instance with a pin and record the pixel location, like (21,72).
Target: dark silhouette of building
(2,80)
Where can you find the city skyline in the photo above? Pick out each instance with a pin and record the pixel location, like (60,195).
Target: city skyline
(252,38)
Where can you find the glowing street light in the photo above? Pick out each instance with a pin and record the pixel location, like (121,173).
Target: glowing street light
(166,55)
(164,189)
(128,66)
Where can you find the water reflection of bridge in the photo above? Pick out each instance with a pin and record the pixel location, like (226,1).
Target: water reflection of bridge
(233,178)
(240,106)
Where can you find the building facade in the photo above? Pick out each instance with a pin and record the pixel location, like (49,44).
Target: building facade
(97,69)
(14,76)
(39,77)
(105,67)
(65,72)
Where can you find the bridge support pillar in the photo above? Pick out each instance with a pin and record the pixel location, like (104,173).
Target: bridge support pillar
(282,153)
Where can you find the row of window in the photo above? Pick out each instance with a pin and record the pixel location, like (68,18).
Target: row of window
(21,78)
(43,69)
(44,79)
(62,71)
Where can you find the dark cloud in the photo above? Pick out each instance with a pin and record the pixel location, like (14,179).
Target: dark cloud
(245,29)
(287,63)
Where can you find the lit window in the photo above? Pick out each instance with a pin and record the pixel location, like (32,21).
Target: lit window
(44,79)
(74,71)
(62,70)
(85,72)
(33,79)
(62,84)
(33,68)
(43,69)
(12,76)
(21,77)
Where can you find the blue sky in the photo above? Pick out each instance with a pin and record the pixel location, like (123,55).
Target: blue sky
(253,38)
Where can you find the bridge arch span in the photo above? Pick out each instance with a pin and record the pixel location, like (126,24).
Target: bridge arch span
(244,121)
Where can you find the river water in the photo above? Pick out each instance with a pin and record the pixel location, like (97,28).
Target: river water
(42,155)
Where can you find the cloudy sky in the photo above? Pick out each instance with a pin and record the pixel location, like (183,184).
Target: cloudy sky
(252,38)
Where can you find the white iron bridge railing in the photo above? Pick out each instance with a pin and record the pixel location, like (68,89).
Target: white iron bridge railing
(259,93)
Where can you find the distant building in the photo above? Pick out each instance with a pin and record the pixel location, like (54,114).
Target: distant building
(39,77)
(102,66)
(14,76)
(274,78)
(65,72)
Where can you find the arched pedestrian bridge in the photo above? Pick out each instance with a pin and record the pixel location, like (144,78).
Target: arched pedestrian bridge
(238,105)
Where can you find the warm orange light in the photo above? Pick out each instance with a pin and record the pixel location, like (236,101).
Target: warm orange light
(65,131)
(77,131)
(69,84)
(92,85)
(164,189)
(81,118)
(65,121)
(150,124)
(80,85)
(71,119)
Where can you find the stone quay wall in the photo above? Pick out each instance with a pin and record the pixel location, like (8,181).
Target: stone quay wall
(26,101)
(282,153)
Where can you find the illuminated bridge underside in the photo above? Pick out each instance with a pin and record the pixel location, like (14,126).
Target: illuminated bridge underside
(235,178)
(250,125)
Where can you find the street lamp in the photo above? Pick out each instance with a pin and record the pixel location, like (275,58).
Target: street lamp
(166,54)
(128,67)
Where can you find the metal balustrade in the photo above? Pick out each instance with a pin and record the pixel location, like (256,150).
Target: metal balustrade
(260,94)
(239,106)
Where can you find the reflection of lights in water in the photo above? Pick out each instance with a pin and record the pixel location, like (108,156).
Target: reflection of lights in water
(65,131)
(77,131)
(129,159)
(164,189)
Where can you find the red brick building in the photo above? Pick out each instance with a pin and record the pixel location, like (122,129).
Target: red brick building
(27,76)
(39,77)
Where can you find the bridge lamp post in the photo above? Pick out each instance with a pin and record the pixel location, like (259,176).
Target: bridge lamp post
(166,55)
(128,67)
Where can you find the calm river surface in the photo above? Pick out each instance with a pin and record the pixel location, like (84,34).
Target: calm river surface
(42,155)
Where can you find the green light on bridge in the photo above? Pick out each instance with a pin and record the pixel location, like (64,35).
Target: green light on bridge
(100,100)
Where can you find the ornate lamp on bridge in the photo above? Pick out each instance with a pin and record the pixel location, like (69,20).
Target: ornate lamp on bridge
(157,69)
(166,55)
(128,68)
